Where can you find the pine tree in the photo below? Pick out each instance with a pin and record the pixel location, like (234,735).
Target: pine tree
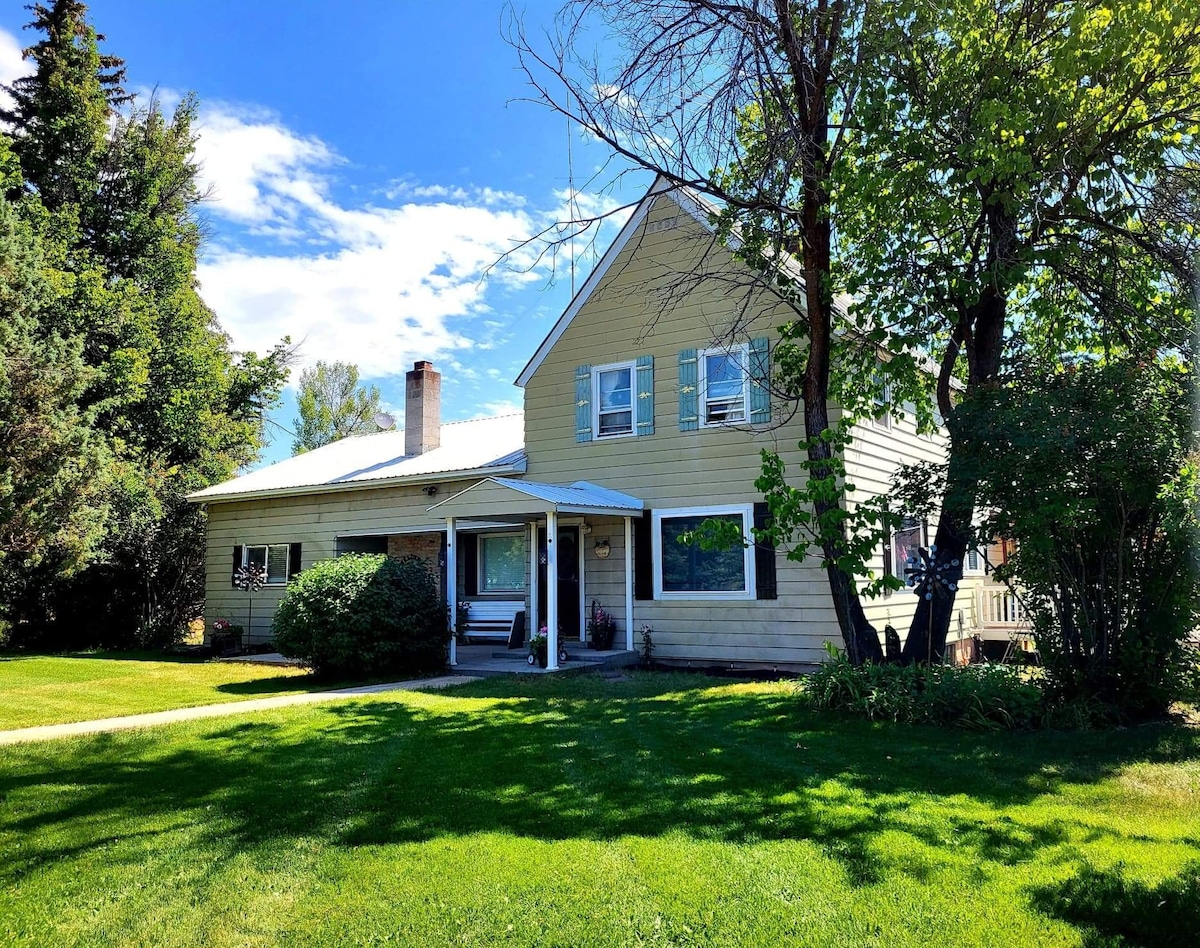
(60,112)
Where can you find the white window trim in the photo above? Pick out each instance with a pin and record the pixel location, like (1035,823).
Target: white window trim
(287,569)
(883,421)
(479,582)
(658,516)
(702,375)
(633,400)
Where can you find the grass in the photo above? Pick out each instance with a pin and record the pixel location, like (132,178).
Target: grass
(658,810)
(57,689)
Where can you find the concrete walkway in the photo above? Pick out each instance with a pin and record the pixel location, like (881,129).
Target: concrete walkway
(105,725)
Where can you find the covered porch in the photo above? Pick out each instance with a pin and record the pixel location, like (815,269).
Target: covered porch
(558,525)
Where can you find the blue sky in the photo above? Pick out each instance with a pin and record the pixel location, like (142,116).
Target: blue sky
(368,164)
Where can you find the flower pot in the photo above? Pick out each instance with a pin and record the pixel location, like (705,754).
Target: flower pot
(543,655)
(602,639)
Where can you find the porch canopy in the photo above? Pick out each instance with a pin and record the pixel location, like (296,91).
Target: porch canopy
(506,500)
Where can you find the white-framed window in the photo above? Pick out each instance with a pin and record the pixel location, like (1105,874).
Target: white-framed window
(501,562)
(882,417)
(612,400)
(906,544)
(684,571)
(724,385)
(973,562)
(272,557)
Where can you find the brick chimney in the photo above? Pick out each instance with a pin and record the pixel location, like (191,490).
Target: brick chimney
(422,409)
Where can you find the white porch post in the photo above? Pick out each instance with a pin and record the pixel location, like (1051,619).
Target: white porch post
(552,590)
(452,587)
(629,583)
(533,578)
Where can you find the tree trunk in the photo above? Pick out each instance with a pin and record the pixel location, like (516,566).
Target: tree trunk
(981,330)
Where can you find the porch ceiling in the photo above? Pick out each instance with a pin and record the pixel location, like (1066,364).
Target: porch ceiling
(518,501)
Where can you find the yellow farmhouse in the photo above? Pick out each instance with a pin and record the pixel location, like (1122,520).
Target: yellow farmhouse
(645,412)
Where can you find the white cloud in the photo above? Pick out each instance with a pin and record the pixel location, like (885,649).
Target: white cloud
(12,65)
(378,286)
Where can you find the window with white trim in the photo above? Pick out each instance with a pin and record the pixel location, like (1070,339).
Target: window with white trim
(724,385)
(906,545)
(685,571)
(612,398)
(271,557)
(882,418)
(501,562)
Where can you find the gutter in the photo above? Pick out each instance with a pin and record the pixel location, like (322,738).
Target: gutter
(309,489)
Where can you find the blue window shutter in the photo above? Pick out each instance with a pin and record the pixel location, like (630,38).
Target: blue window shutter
(645,395)
(760,379)
(689,393)
(583,403)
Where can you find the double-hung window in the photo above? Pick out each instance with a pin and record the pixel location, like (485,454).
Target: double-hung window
(612,394)
(685,571)
(501,562)
(906,545)
(882,417)
(724,382)
(271,557)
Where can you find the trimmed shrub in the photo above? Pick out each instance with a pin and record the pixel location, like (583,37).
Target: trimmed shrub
(978,697)
(361,615)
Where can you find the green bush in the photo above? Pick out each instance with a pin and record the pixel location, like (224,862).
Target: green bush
(361,615)
(979,697)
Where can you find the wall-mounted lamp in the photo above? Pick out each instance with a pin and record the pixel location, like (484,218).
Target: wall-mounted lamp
(430,490)
(602,549)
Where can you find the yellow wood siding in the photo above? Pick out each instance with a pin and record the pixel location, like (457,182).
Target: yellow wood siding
(635,311)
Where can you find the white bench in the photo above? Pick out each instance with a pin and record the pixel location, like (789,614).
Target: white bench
(492,618)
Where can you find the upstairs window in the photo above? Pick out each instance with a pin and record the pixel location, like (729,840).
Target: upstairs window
(613,397)
(723,384)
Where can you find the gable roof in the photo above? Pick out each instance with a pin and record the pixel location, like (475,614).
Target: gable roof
(480,447)
(687,201)
(581,497)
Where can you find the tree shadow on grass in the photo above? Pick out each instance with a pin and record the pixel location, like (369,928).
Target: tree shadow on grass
(584,759)
(1113,911)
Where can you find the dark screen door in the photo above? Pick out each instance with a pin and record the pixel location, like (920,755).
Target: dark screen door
(568,580)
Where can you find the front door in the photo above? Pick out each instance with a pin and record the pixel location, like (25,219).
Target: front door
(568,581)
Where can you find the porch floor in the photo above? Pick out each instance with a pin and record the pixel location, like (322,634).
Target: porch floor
(492,658)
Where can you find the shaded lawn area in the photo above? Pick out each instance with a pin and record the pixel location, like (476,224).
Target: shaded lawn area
(57,689)
(660,810)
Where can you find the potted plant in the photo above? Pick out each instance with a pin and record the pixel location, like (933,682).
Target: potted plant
(226,637)
(601,627)
(538,647)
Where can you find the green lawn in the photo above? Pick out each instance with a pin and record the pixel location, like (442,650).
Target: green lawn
(661,810)
(55,689)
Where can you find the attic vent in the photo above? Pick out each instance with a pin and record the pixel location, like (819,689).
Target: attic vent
(667,223)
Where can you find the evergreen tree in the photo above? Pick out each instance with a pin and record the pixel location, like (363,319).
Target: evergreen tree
(60,112)
(332,405)
(113,198)
(52,465)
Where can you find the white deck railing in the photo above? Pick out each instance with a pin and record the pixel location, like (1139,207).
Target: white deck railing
(996,607)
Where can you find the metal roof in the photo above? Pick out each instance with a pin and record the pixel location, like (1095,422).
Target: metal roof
(482,446)
(580,497)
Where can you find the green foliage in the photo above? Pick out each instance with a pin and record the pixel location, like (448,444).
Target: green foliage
(361,615)
(1092,469)
(52,465)
(817,513)
(332,405)
(139,393)
(977,697)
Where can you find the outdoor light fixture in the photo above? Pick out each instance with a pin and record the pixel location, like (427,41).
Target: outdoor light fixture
(429,491)
(603,549)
